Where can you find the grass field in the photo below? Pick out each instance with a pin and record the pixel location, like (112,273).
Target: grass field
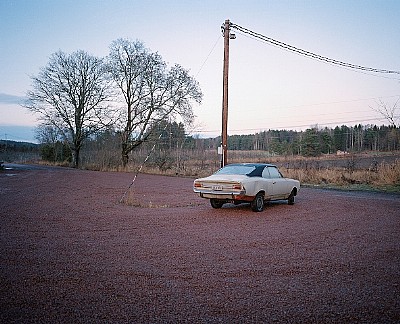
(367,171)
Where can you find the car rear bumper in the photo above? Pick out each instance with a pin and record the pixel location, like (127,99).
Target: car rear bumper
(239,196)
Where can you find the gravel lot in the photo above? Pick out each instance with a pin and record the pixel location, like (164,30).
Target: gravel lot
(70,252)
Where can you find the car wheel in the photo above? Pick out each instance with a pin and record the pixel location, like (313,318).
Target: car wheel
(215,203)
(291,198)
(257,204)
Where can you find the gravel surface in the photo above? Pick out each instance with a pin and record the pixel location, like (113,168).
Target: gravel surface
(70,252)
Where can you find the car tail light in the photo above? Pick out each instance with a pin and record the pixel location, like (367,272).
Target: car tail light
(197,185)
(237,186)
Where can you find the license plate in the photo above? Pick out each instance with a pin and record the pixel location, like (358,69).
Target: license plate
(217,188)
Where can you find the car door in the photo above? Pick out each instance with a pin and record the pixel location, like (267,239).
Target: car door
(268,185)
(279,184)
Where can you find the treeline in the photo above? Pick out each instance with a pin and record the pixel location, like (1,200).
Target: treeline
(314,141)
(11,151)
(170,145)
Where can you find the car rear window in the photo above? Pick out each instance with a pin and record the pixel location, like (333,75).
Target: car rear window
(237,169)
(249,170)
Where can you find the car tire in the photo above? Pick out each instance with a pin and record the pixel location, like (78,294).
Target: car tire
(291,198)
(216,203)
(257,205)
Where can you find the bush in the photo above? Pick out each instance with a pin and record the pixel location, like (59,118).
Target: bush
(57,152)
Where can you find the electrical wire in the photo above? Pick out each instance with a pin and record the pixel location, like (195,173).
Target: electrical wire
(320,124)
(329,103)
(285,46)
(209,54)
(199,131)
(310,54)
(294,126)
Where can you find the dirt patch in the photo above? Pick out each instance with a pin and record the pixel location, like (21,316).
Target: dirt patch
(70,252)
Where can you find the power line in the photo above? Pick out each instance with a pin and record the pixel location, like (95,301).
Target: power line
(209,54)
(321,124)
(330,103)
(310,54)
(327,103)
(342,67)
(295,126)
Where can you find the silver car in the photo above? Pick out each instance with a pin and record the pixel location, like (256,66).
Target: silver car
(247,182)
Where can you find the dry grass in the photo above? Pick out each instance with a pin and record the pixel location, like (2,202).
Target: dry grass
(382,176)
(389,173)
(385,175)
(366,169)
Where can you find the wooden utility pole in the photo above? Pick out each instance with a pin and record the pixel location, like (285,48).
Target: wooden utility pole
(226,27)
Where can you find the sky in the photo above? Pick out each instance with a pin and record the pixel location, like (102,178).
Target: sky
(269,88)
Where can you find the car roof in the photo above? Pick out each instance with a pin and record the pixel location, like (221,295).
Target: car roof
(253,164)
(258,168)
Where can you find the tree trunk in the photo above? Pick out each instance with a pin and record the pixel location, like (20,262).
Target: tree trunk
(76,157)
(125,159)
(125,155)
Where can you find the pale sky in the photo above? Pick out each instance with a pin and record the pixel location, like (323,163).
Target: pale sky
(269,88)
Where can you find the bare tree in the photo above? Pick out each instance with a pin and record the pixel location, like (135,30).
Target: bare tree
(53,146)
(390,112)
(47,133)
(149,91)
(71,93)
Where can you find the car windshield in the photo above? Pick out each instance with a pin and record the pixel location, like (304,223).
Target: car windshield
(236,169)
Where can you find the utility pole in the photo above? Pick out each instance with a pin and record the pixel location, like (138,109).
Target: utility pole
(226,28)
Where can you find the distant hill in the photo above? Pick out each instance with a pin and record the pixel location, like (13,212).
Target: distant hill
(17,146)
(18,133)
